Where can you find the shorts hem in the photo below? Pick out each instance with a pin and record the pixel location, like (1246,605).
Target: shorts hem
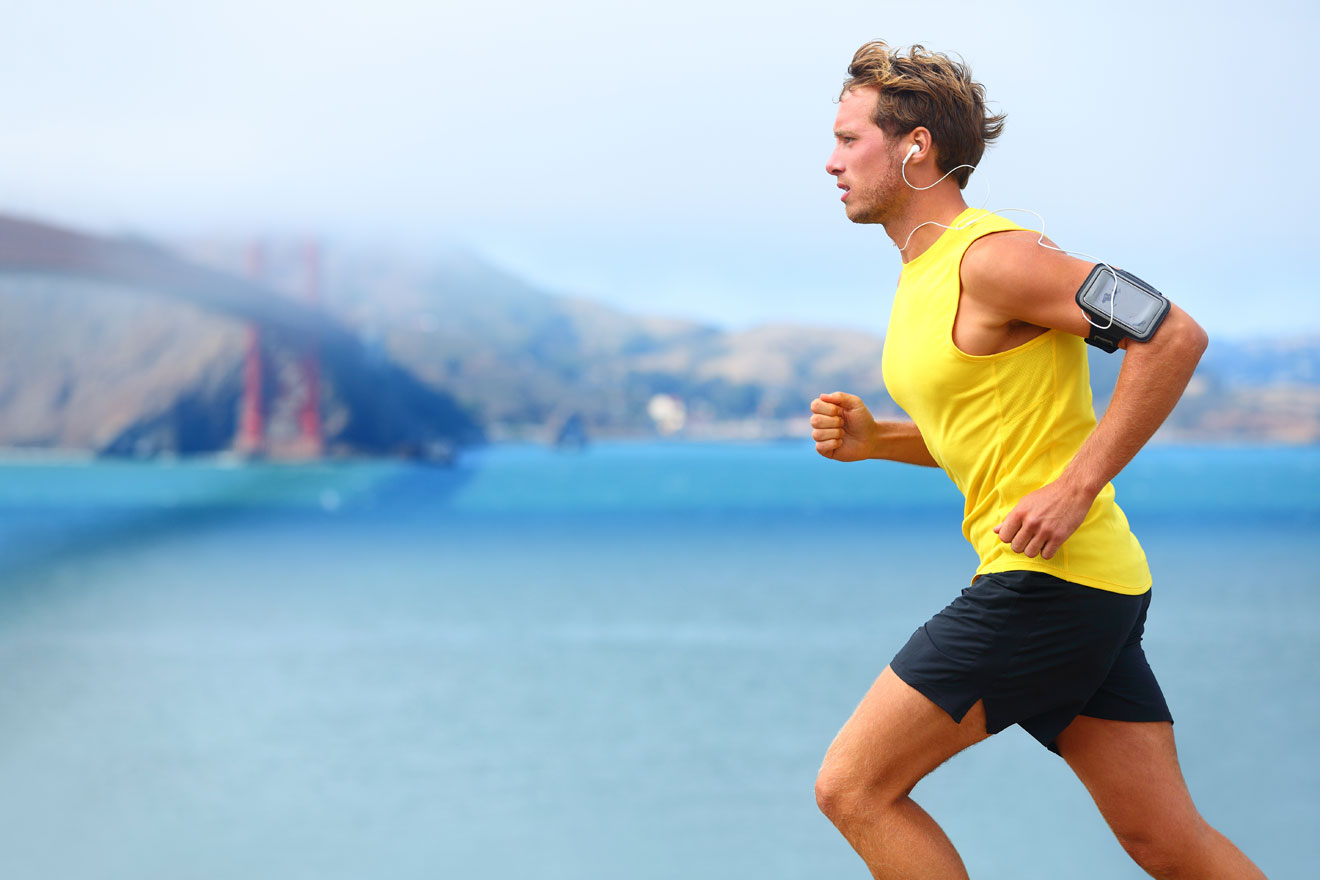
(954,710)
(1128,719)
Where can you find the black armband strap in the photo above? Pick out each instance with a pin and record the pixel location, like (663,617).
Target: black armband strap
(1105,340)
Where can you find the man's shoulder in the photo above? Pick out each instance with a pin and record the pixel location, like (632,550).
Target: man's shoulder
(1005,255)
(1021,275)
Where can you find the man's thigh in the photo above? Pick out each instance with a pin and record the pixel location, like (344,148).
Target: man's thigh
(896,736)
(1131,770)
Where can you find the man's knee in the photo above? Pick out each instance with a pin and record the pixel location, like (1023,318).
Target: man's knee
(845,790)
(840,798)
(895,737)
(1164,853)
(1155,857)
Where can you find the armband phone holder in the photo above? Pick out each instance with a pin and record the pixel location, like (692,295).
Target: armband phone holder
(1119,305)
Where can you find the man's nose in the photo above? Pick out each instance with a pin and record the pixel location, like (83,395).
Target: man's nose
(833,165)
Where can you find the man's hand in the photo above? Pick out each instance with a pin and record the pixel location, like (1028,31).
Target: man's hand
(1044,519)
(842,427)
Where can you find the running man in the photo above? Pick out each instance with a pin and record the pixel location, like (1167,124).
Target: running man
(986,352)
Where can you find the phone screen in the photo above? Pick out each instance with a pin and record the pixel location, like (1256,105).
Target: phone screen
(1133,307)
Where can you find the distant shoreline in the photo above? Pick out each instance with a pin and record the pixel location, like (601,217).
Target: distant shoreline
(738,436)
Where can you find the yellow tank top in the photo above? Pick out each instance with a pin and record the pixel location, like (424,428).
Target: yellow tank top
(1005,424)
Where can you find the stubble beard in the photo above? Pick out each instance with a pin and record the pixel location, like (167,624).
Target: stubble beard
(877,203)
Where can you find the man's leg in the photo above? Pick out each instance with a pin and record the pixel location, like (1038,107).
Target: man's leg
(895,738)
(1131,770)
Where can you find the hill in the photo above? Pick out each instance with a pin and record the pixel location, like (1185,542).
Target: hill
(527,360)
(85,369)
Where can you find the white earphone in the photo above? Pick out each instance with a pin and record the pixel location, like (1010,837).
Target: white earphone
(912,151)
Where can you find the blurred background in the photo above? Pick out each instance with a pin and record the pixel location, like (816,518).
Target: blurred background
(403,430)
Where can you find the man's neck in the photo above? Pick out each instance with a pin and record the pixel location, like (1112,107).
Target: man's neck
(941,204)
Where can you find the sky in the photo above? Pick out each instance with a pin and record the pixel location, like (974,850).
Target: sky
(669,158)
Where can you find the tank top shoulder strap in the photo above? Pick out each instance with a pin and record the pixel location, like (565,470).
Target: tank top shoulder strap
(967,227)
(975,223)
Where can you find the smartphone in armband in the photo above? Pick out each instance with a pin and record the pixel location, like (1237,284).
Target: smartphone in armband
(1119,306)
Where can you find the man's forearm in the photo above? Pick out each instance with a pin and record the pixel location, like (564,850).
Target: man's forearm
(1150,383)
(901,441)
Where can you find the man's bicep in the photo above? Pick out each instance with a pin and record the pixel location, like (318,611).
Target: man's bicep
(1013,275)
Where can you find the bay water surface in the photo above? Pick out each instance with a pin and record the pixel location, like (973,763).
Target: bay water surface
(620,663)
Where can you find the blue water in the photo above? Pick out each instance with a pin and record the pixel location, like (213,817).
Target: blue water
(625,663)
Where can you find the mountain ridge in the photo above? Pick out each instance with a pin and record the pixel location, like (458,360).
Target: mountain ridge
(522,361)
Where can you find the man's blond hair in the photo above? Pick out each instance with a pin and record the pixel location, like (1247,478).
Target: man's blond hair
(927,89)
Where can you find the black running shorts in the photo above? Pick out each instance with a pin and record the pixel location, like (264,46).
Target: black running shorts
(1039,651)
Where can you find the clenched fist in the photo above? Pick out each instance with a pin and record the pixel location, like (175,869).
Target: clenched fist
(842,427)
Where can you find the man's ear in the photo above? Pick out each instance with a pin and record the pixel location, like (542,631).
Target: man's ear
(921,142)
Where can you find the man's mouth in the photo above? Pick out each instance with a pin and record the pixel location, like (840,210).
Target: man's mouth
(845,189)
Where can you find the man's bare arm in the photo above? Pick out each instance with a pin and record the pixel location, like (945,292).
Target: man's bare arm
(1021,281)
(1150,383)
(844,430)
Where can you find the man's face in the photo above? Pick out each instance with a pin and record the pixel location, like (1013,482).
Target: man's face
(865,161)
